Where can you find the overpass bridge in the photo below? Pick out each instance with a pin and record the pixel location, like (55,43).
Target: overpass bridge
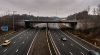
(29,22)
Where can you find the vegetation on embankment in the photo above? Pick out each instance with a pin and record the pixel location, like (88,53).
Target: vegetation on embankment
(88,27)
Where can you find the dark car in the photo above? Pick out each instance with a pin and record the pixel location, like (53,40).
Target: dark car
(93,52)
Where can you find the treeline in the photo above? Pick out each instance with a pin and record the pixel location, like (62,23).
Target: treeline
(14,19)
(85,21)
(18,20)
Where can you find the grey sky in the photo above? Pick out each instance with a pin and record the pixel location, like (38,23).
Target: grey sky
(63,8)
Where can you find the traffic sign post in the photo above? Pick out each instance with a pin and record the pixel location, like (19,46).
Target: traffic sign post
(4,28)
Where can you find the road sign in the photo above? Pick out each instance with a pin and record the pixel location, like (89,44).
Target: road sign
(4,28)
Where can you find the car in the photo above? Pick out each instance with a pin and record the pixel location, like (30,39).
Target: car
(6,42)
(93,52)
(63,38)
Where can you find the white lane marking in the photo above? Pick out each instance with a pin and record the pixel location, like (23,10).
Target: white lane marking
(14,42)
(23,42)
(18,34)
(17,50)
(71,53)
(72,44)
(32,43)
(75,41)
(85,41)
(54,45)
(27,37)
(49,46)
(63,44)
(5,50)
(82,53)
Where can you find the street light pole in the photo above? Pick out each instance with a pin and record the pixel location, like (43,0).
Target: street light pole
(13,21)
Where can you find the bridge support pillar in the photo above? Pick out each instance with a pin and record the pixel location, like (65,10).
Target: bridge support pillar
(73,25)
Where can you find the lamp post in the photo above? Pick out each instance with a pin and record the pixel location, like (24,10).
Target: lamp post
(14,20)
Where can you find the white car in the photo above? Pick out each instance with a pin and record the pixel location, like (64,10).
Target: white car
(93,52)
(64,38)
(5,43)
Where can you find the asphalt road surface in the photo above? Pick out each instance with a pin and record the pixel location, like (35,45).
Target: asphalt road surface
(20,43)
(70,47)
(40,45)
(35,41)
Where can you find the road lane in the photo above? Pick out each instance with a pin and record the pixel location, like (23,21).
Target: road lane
(40,45)
(65,47)
(9,37)
(83,43)
(17,47)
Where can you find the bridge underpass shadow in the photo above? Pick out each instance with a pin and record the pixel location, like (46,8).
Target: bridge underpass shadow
(29,24)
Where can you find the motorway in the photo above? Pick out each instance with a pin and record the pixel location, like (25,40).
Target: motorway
(35,42)
(70,47)
(20,43)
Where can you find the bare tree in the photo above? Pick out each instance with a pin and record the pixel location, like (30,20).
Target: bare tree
(98,10)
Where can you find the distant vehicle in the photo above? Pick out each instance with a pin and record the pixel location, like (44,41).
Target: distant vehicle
(63,38)
(92,52)
(5,43)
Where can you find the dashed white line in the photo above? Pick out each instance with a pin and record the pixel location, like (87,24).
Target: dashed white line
(14,42)
(63,44)
(82,53)
(5,50)
(32,43)
(23,42)
(18,34)
(71,53)
(76,41)
(71,44)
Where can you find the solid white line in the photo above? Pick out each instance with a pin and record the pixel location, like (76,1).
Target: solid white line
(75,41)
(32,43)
(82,53)
(85,41)
(54,45)
(18,34)
(49,46)
(71,53)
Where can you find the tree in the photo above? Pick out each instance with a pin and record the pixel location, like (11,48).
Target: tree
(98,9)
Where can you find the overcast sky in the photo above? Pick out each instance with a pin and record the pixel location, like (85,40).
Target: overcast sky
(61,8)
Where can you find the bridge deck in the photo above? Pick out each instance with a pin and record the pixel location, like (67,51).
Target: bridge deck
(52,21)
